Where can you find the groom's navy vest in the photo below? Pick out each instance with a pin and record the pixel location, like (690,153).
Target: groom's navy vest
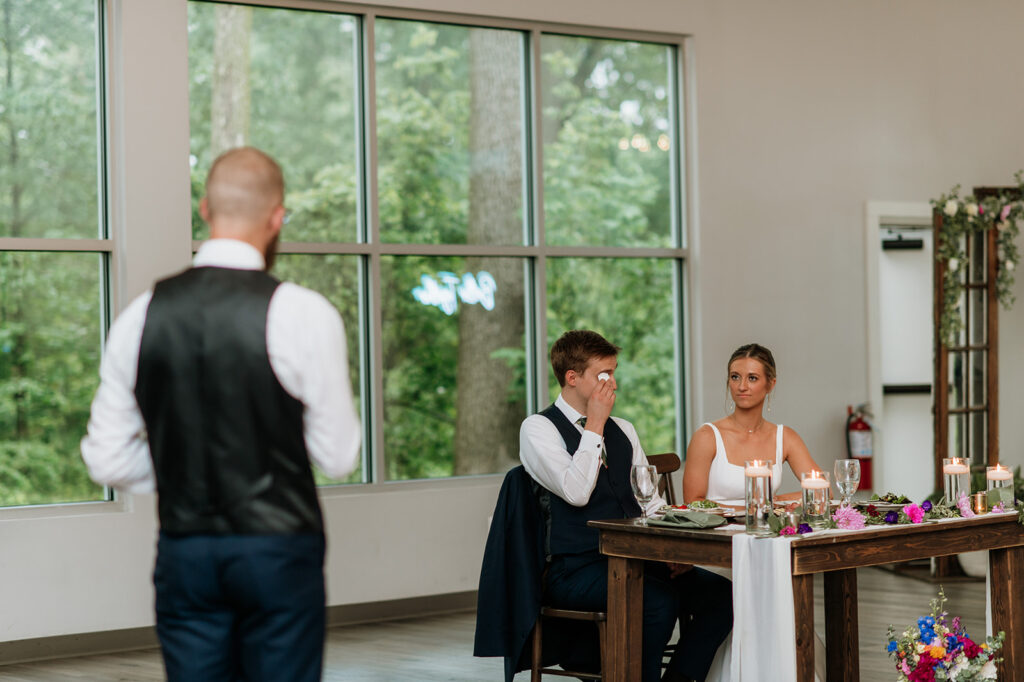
(567,530)
(226,438)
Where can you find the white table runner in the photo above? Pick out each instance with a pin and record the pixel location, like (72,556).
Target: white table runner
(764,639)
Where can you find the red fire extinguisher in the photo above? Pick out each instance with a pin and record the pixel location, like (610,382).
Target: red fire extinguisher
(859,442)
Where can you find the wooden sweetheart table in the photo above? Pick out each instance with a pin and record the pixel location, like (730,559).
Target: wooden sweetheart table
(837,555)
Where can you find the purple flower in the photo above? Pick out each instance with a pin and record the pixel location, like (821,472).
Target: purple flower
(926,506)
(892,517)
(804,528)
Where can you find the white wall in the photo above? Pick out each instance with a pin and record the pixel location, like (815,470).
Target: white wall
(805,111)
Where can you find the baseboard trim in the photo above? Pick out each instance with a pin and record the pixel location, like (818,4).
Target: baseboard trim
(132,639)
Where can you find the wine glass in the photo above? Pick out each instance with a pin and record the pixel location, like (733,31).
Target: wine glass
(644,479)
(847,479)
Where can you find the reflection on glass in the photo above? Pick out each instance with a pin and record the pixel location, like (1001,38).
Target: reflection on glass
(608,142)
(337,278)
(48,143)
(50,339)
(978,442)
(976,317)
(961,334)
(450,137)
(454,365)
(283,81)
(976,383)
(957,435)
(630,301)
(957,379)
(977,268)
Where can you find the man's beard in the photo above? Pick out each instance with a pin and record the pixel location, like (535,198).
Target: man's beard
(271,253)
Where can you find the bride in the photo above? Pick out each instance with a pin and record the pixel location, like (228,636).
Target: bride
(717,451)
(716,454)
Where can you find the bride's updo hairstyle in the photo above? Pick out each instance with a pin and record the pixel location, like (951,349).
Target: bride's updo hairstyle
(759,353)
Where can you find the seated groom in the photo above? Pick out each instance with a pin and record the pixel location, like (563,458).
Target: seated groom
(581,456)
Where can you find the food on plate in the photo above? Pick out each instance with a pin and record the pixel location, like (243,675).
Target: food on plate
(890,498)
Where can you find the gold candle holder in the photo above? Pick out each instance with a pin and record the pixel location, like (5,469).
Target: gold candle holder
(980,502)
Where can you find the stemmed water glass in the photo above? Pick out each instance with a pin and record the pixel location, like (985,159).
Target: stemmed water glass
(644,480)
(847,479)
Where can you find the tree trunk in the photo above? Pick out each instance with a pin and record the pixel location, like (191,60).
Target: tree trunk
(488,412)
(229,108)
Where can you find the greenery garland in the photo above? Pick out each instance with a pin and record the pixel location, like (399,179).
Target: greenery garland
(962,218)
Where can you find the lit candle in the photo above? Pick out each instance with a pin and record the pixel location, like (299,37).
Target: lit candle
(815,481)
(757,467)
(1000,473)
(955,468)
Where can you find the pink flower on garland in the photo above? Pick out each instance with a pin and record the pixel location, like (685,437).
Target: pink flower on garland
(914,513)
(997,508)
(787,530)
(964,505)
(848,518)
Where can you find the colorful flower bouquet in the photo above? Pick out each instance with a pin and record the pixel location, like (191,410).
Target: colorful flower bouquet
(939,649)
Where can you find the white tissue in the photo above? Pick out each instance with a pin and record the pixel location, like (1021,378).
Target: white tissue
(603,376)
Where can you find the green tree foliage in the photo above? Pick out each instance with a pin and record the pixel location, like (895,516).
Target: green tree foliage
(50,303)
(437,167)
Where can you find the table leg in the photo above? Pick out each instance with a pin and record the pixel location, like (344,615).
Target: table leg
(1007,575)
(625,619)
(803,615)
(842,650)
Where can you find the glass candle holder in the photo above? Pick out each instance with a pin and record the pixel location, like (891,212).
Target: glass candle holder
(979,503)
(1001,478)
(956,479)
(998,477)
(815,494)
(758,475)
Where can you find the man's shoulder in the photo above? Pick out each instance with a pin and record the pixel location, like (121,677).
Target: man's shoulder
(302,301)
(624,424)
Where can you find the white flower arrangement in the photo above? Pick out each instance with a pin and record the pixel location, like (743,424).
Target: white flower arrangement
(961,218)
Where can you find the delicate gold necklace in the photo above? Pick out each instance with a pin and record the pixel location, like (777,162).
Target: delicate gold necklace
(759,423)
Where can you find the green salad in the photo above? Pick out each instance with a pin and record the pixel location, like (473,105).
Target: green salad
(702,504)
(890,498)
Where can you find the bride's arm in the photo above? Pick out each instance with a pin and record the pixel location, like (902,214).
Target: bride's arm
(795,452)
(699,455)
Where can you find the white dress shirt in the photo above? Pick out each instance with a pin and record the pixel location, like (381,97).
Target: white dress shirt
(571,476)
(308,355)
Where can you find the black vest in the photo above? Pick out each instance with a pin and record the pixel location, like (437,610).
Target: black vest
(567,531)
(226,438)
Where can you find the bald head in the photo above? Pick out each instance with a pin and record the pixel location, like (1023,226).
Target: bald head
(244,187)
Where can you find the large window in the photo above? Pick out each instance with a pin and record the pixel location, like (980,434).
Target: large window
(53,251)
(464,194)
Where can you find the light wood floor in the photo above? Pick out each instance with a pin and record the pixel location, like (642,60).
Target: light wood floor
(439,648)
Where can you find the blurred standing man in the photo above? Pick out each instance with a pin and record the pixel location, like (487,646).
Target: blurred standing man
(218,387)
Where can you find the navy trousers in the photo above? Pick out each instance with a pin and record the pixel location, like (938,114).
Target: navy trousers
(581,582)
(240,607)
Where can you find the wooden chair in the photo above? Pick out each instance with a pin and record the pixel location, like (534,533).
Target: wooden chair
(599,618)
(666,463)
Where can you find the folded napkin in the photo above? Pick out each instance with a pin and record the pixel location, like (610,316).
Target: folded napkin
(687,519)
